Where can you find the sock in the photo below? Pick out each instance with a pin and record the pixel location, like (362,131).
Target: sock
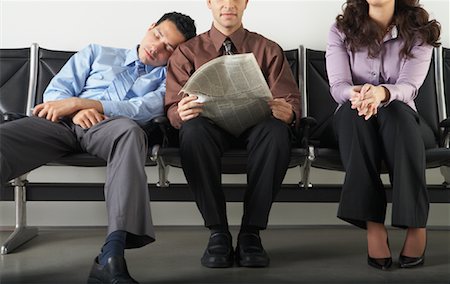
(114,246)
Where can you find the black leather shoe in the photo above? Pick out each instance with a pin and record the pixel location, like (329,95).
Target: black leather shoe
(410,262)
(219,252)
(380,263)
(250,252)
(114,272)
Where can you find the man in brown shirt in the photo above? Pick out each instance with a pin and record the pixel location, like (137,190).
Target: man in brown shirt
(202,143)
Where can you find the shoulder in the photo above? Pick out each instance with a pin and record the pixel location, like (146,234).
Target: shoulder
(101,49)
(259,41)
(335,33)
(421,49)
(189,49)
(194,42)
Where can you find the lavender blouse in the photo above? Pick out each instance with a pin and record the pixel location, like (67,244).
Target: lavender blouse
(401,76)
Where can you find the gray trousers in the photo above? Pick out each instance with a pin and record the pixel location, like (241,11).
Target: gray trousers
(28,143)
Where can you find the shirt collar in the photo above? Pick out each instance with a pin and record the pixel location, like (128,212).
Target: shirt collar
(131,56)
(392,34)
(237,38)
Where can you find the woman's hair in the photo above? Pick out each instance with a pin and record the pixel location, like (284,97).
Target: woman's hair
(411,19)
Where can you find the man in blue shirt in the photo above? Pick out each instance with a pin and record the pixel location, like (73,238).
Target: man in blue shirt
(96,104)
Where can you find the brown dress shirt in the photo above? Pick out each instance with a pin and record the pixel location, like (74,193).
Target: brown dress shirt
(192,54)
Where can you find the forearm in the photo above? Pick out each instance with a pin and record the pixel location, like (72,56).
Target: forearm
(81,104)
(76,104)
(400,92)
(174,117)
(138,110)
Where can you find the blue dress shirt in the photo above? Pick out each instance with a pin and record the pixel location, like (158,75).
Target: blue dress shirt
(89,72)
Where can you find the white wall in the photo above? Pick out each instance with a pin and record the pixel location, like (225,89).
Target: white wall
(70,25)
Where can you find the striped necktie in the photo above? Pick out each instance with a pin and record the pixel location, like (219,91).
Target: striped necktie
(227,47)
(123,82)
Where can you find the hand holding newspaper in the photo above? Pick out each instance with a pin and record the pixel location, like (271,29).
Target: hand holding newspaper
(234,92)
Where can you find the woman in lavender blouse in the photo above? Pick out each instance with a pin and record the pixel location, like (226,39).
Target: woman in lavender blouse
(378,55)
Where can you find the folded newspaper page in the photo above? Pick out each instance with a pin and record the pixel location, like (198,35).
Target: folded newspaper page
(234,92)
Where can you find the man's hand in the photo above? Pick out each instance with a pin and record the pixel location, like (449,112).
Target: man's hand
(86,118)
(188,109)
(282,110)
(54,110)
(367,98)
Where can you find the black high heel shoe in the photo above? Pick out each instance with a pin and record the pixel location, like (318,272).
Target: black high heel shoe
(380,263)
(411,262)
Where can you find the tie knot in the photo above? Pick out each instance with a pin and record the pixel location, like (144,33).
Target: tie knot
(140,67)
(227,45)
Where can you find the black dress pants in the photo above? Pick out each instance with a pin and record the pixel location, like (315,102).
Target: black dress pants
(397,135)
(202,145)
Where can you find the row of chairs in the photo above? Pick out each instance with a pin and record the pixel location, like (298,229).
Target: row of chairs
(26,72)
(315,146)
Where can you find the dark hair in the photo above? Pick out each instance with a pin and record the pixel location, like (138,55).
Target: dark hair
(411,19)
(183,22)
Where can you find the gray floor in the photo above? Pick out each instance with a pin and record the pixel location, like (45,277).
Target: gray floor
(298,255)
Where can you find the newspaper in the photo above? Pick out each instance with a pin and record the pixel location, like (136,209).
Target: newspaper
(234,92)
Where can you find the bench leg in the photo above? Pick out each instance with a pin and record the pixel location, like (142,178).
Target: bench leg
(21,233)
(445,171)
(305,170)
(163,172)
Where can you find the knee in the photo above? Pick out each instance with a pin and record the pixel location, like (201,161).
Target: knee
(138,134)
(347,114)
(397,113)
(130,131)
(194,130)
(346,117)
(278,129)
(274,130)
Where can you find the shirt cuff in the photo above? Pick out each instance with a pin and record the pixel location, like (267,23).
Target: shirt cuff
(109,108)
(294,120)
(393,94)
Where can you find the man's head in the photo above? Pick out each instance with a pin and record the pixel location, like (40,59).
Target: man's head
(164,36)
(227,14)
